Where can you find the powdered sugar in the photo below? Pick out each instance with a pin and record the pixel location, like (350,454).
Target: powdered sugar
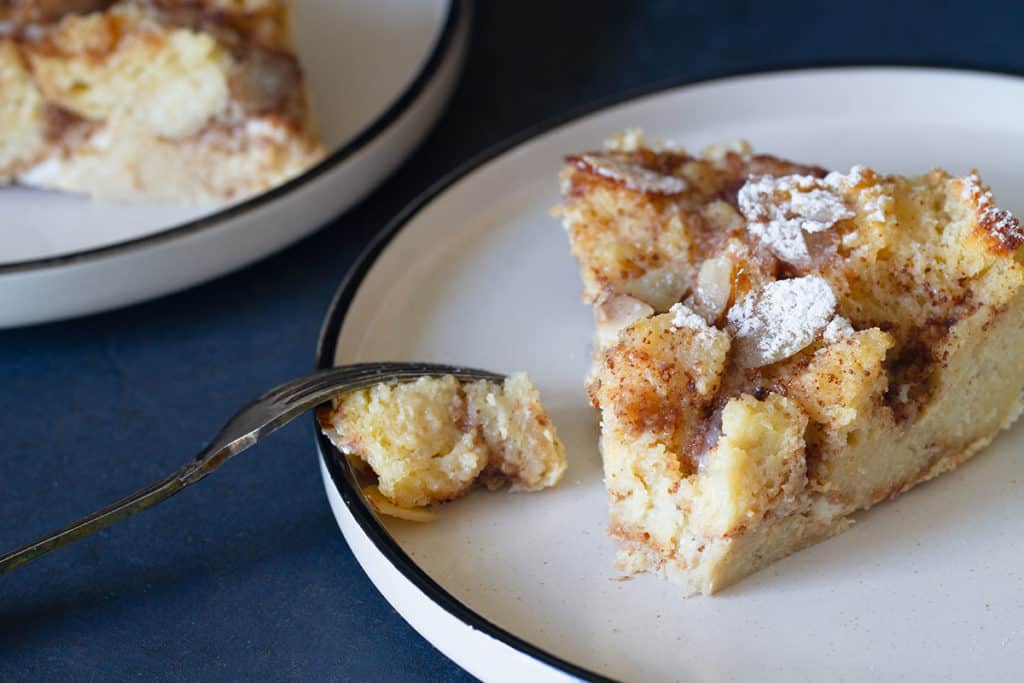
(875,205)
(629,140)
(999,223)
(633,139)
(685,317)
(876,208)
(838,328)
(780,320)
(719,153)
(781,209)
(974,193)
(840,182)
(634,176)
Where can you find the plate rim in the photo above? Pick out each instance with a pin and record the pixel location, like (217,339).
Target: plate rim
(343,478)
(443,42)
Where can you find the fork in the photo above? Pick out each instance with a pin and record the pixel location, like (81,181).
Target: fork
(268,413)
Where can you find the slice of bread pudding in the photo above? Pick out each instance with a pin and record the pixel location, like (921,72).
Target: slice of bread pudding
(778,347)
(152,99)
(431,440)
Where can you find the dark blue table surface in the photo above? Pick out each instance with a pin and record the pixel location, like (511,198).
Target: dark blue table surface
(246,577)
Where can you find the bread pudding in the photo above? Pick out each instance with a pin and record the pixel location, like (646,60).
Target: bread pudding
(779,347)
(431,440)
(152,99)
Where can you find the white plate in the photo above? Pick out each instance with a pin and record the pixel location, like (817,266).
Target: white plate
(379,73)
(930,587)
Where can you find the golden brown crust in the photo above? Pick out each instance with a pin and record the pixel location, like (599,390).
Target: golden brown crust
(997,228)
(635,235)
(622,235)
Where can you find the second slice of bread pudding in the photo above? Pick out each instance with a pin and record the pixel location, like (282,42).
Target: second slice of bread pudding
(778,347)
(152,100)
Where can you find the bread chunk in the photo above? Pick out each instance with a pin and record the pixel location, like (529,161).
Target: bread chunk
(431,440)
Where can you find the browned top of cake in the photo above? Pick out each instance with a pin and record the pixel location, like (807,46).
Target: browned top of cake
(783,278)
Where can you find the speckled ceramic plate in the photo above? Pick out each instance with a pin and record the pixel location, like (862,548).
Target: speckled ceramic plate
(521,586)
(379,73)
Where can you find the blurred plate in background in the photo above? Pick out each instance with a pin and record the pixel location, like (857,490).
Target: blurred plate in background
(379,74)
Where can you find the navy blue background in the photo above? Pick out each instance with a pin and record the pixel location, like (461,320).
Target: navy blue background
(246,576)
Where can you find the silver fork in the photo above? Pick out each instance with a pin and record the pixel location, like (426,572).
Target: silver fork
(265,415)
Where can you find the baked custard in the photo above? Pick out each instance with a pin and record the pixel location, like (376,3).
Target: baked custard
(778,346)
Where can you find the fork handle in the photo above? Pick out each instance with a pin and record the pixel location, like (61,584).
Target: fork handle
(144,498)
(126,507)
(284,403)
